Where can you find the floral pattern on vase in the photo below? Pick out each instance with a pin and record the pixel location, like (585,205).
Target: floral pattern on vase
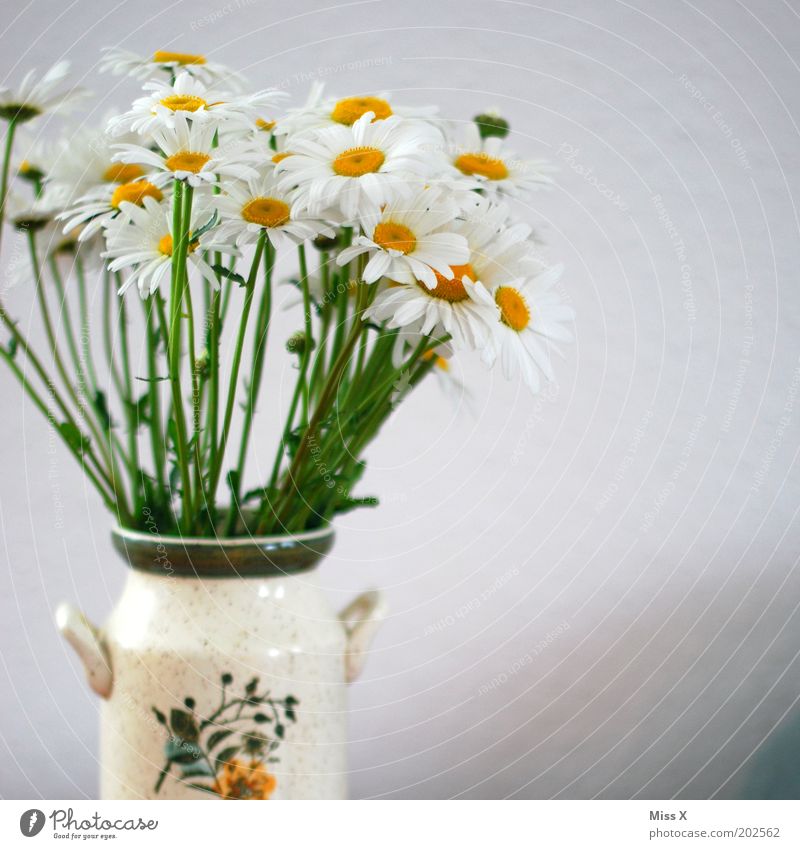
(229,752)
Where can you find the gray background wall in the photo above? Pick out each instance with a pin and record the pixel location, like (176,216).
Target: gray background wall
(595,592)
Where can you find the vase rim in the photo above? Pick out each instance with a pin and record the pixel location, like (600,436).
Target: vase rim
(222,557)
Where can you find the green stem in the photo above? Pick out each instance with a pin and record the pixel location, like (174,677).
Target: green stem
(176,304)
(129,404)
(262,329)
(156,435)
(237,359)
(12,128)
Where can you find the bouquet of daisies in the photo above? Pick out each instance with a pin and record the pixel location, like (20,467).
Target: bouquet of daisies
(406,253)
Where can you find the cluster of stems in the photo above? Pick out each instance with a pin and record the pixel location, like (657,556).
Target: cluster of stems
(155,439)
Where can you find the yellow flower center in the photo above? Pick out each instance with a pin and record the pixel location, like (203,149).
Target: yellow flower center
(439,361)
(266,212)
(357,161)
(482,165)
(349,110)
(183,102)
(161,57)
(135,193)
(451,290)
(165,245)
(394,236)
(185,160)
(279,157)
(24,166)
(265,125)
(514,310)
(121,172)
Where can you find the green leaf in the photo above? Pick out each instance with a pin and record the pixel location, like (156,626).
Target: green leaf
(279,731)
(160,716)
(181,751)
(232,479)
(201,231)
(204,787)
(75,439)
(217,737)
(193,768)
(101,406)
(228,274)
(12,347)
(183,724)
(226,754)
(290,714)
(346,504)
(251,686)
(261,718)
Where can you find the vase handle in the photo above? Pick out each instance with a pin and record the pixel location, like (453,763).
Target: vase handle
(87,642)
(361,619)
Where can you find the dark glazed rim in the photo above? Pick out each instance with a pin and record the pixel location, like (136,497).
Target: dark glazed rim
(233,557)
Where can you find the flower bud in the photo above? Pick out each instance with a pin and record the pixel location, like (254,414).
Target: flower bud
(491,124)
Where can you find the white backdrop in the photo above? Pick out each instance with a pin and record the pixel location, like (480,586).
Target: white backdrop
(594,592)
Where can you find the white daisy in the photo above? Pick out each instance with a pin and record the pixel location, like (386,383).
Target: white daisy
(365,165)
(140,239)
(317,113)
(33,157)
(532,316)
(120,62)
(500,248)
(261,204)
(497,169)
(190,98)
(460,307)
(95,210)
(83,164)
(36,96)
(408,240)
(188,153)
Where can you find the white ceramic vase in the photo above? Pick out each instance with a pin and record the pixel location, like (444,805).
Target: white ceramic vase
(223,670)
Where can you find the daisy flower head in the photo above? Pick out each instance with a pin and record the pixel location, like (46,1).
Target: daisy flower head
(494,166)
(141,240)
(187,152)
(190,98)
(500,247)
(356,167)
(38,95)
(96,209)
(532,317)
(460,307)
(330,112)
(260,204)
(84,164)
(409,239)
(127,63)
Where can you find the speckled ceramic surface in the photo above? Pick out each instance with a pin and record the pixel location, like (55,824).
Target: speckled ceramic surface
(224,687)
